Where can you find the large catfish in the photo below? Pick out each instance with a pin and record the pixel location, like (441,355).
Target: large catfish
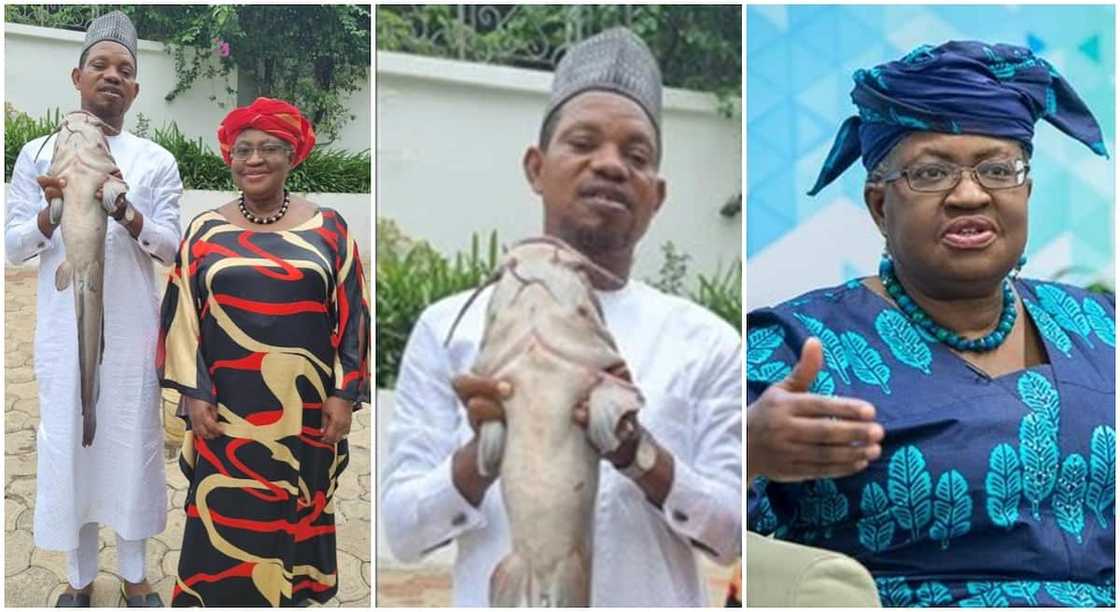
(545,334)
(81,157)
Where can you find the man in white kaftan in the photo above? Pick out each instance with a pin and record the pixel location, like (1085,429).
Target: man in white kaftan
(688,364)
(670,492)
(119,481)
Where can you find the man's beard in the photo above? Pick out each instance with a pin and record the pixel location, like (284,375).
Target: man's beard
(594,241)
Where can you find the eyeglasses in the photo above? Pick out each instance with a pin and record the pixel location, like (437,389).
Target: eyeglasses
(270,150)
(939,177)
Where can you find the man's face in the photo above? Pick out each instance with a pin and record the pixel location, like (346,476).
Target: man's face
(968,237)
(107,80)
(598,177)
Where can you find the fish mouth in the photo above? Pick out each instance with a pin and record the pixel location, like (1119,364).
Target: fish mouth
(606,195)
(969,233)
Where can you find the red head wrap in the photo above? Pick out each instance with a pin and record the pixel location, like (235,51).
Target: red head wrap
(275,117)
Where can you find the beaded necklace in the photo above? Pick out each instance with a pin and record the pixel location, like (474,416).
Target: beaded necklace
(921,318)
(273,218)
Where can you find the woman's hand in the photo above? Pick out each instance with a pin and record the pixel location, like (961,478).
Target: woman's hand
(204,418)
(795,435)
(337,413)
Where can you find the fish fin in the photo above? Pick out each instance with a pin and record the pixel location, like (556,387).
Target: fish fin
(569,586)
(511,582)
(54,212)
(491,447)
(63,275)
(610,401)
(490,280)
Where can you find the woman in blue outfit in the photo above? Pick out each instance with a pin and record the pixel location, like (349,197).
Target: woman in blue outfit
(970,457)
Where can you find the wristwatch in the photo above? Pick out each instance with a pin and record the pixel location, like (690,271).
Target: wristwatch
(644,458)
(127,215)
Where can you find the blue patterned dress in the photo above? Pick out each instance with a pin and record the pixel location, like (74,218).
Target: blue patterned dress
(989,492)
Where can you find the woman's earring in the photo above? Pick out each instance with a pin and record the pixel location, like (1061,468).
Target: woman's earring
(885,262)
(1019,266)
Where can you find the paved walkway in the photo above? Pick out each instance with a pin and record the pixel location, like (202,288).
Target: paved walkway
(34,578)
(428,586)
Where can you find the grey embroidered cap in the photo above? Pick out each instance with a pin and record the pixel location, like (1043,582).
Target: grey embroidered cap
(115,27)
(614,60)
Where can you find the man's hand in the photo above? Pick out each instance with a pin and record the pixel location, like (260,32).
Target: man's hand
(627,431)
(120,203)
(51,215)
(204,419)
(337,413)
(52,186)
(482,397)
(794,435)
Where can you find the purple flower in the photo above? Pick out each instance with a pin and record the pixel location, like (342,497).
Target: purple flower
(223,48)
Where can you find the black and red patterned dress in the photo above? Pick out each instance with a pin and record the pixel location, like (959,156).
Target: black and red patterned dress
(266,325)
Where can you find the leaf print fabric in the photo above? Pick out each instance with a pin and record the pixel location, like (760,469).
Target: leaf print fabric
(1003,486)
(1065,310)
(1069,501)
(866,362)
(762,342)
(989,492)
(1101,490)
(1038,452)
(1049,328)
(1041,397)
(876,529)
(835,356)
(952,508)
(909,488)
(1100,322)
(903,340)
(933,594)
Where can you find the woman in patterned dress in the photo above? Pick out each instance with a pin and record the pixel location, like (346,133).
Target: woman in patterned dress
(265,334)
(970,458)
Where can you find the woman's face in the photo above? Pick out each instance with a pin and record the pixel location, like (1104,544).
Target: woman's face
(959,243)
(266,168)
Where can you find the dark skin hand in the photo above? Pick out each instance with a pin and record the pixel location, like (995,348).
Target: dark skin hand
(204,419)
(337,414)
(794,435)
(482,397)
(52,188)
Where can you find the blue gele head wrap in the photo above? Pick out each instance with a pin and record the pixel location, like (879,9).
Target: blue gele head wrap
(961,87)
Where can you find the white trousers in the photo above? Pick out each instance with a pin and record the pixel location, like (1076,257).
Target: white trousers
(82,562)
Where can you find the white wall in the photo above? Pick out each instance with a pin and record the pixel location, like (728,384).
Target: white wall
(37,78)
(37,69)
(451,136)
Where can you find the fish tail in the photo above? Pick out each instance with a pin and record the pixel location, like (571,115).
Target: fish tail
(511,582)
(516,583)
(569,586)
(89,310)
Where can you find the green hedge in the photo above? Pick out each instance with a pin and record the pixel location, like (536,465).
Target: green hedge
(411,275)
(324,171)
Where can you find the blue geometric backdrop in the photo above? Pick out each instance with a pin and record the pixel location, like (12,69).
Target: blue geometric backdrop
(800,61)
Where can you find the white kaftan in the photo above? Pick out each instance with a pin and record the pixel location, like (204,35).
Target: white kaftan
(688,364)
(118,481)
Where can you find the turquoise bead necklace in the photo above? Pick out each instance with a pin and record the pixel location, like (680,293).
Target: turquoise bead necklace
(922,319)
